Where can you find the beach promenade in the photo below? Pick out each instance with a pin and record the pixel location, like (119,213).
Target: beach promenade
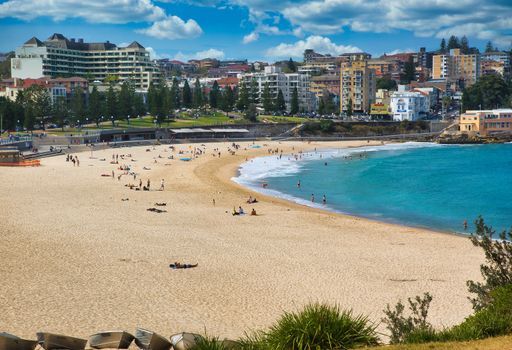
(76,258)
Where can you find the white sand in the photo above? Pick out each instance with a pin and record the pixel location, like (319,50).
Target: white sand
(75,259)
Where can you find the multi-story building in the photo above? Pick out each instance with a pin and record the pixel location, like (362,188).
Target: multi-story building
(486,122)
(424,58)
(60,57)
(458,67)
(408,105)
(286,82)
(56,87)
(497,62)
(385,67)
(357,85)
(327,82)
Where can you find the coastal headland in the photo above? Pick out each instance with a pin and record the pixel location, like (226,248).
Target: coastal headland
(80,251)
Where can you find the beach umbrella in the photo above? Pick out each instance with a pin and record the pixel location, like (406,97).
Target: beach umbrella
(185,341)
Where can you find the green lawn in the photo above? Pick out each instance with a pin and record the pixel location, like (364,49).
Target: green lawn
(282,119)
(183,120)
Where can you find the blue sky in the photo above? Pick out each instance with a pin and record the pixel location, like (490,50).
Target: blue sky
(259,29)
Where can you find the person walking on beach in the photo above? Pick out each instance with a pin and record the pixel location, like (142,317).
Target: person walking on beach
(312,198)
(148,184)
(140,184)
(213,200)
(162,185)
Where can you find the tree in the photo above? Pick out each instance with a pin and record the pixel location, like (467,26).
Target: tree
(187,95)
(409,71)
(464,45)
(254,92)
(94,109)
(349,108)
(166,101)
(214,95)
(453,43)
(125,100)
(294,108)
(321,107)
(497,272)
(251,114)
(291,66)
(442,49)
(280,105)
(139,108)
(386,83)
(228,99)
(491,91)
(268,105)
(37,105)
(175,94)
(198,94)
(243,97)
(489,47)
(111,104)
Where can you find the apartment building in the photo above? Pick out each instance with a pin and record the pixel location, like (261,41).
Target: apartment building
(286,82)
(59,56)
(385,67)
(408,105)
(357,85)
(495,63)
(458,67)
(327,82)
(486,122)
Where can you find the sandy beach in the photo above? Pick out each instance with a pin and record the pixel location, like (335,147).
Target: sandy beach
(75,258)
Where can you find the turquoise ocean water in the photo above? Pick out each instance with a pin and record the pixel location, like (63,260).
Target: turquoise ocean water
(415,184)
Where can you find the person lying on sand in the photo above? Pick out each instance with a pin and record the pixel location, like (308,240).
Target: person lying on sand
(177,265)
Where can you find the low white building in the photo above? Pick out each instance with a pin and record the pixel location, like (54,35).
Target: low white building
(409,105)
(286,82)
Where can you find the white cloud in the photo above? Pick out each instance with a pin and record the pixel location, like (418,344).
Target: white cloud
(249,38)
(172,28)
(318,43)
(210,53)
(154,55)
(95,11)
(397,51)
(481,19)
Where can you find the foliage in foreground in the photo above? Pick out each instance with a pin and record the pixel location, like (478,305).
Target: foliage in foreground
(402,327)
(321,326)
(497,271)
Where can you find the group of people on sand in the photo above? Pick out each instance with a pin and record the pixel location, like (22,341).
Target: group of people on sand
(252,200)
(73,159)
(241,211)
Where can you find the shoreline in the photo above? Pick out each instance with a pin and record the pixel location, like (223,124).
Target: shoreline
(252,191)
(96,262)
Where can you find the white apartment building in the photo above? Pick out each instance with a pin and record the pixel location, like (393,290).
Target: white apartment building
(286,82)
(409,105)
(60,57)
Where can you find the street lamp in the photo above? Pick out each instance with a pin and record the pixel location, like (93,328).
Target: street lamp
(112,119)
(128,117)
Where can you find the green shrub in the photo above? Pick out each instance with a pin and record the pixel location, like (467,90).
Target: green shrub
(415,326)
(497,271)
(323,327)
(494,320)
(213,343)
